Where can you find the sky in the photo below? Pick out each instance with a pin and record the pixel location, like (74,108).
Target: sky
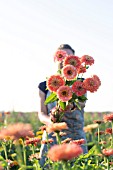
(30,33)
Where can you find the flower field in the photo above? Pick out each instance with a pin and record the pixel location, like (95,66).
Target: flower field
(21,138)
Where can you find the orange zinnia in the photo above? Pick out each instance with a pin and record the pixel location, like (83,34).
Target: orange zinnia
(107,152)
(64,93)
(108,117)
(54,82)
(56,127)
(65,151)
(69,72)
(16,131)
(72,60)
(60,55)
(88,60)
(78,88)
(79,141)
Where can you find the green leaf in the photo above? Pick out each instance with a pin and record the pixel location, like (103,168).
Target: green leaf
(77,103)
(1,158)
(82,98)
(62,105)
(51,98)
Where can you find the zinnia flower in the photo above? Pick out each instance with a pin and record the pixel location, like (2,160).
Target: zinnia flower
(90,84)
(98,121)
(54,82)
(88,60)
(90,127)
(65,151)
(97,79)
(108,117)
(108,131)
(16,131)
(100,133)
(60,55)
(69,72)
(34,156)
(56,127)
(33,141)
(78,88)
(64,93)
(107,152)
(81,69)
(79,141)
(72,60)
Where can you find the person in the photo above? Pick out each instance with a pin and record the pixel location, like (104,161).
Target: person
(75,120)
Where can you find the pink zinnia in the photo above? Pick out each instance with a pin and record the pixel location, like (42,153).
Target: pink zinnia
(78,88)
(90,84)
(82,69)
(69,72)
(107,152)
(96,78)
(65,151)
(72,60)
(54,82)
(88,60)
(64,93)
(60,55)
(79,141)
(108,117)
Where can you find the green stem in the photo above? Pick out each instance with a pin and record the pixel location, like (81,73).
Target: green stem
(65,167)
(6,156)
(107,164)
(58,138)
(24,154)
(33,150)
(98,134)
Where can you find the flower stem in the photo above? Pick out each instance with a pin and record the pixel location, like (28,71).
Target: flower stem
(24,154)
(107,164)
(98,134)
(58,138)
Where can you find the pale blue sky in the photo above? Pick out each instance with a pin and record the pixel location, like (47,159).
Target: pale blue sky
(31,31)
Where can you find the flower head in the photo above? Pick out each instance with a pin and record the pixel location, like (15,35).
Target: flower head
(108,131)
(78,88)
(108,117)
(54,82)
(60,55)
(88,60)
(56,127)
(90,84)
(97,79)
(72,60)
(16,131)
(64,93)
(65,151)
(79,141)
(33,141)
(90,127)
(107,152)
(81,69)
(69,72)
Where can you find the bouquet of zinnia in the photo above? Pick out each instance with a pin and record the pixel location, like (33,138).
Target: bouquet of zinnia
(68,86)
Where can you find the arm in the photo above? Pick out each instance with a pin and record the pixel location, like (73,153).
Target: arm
(42,111)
